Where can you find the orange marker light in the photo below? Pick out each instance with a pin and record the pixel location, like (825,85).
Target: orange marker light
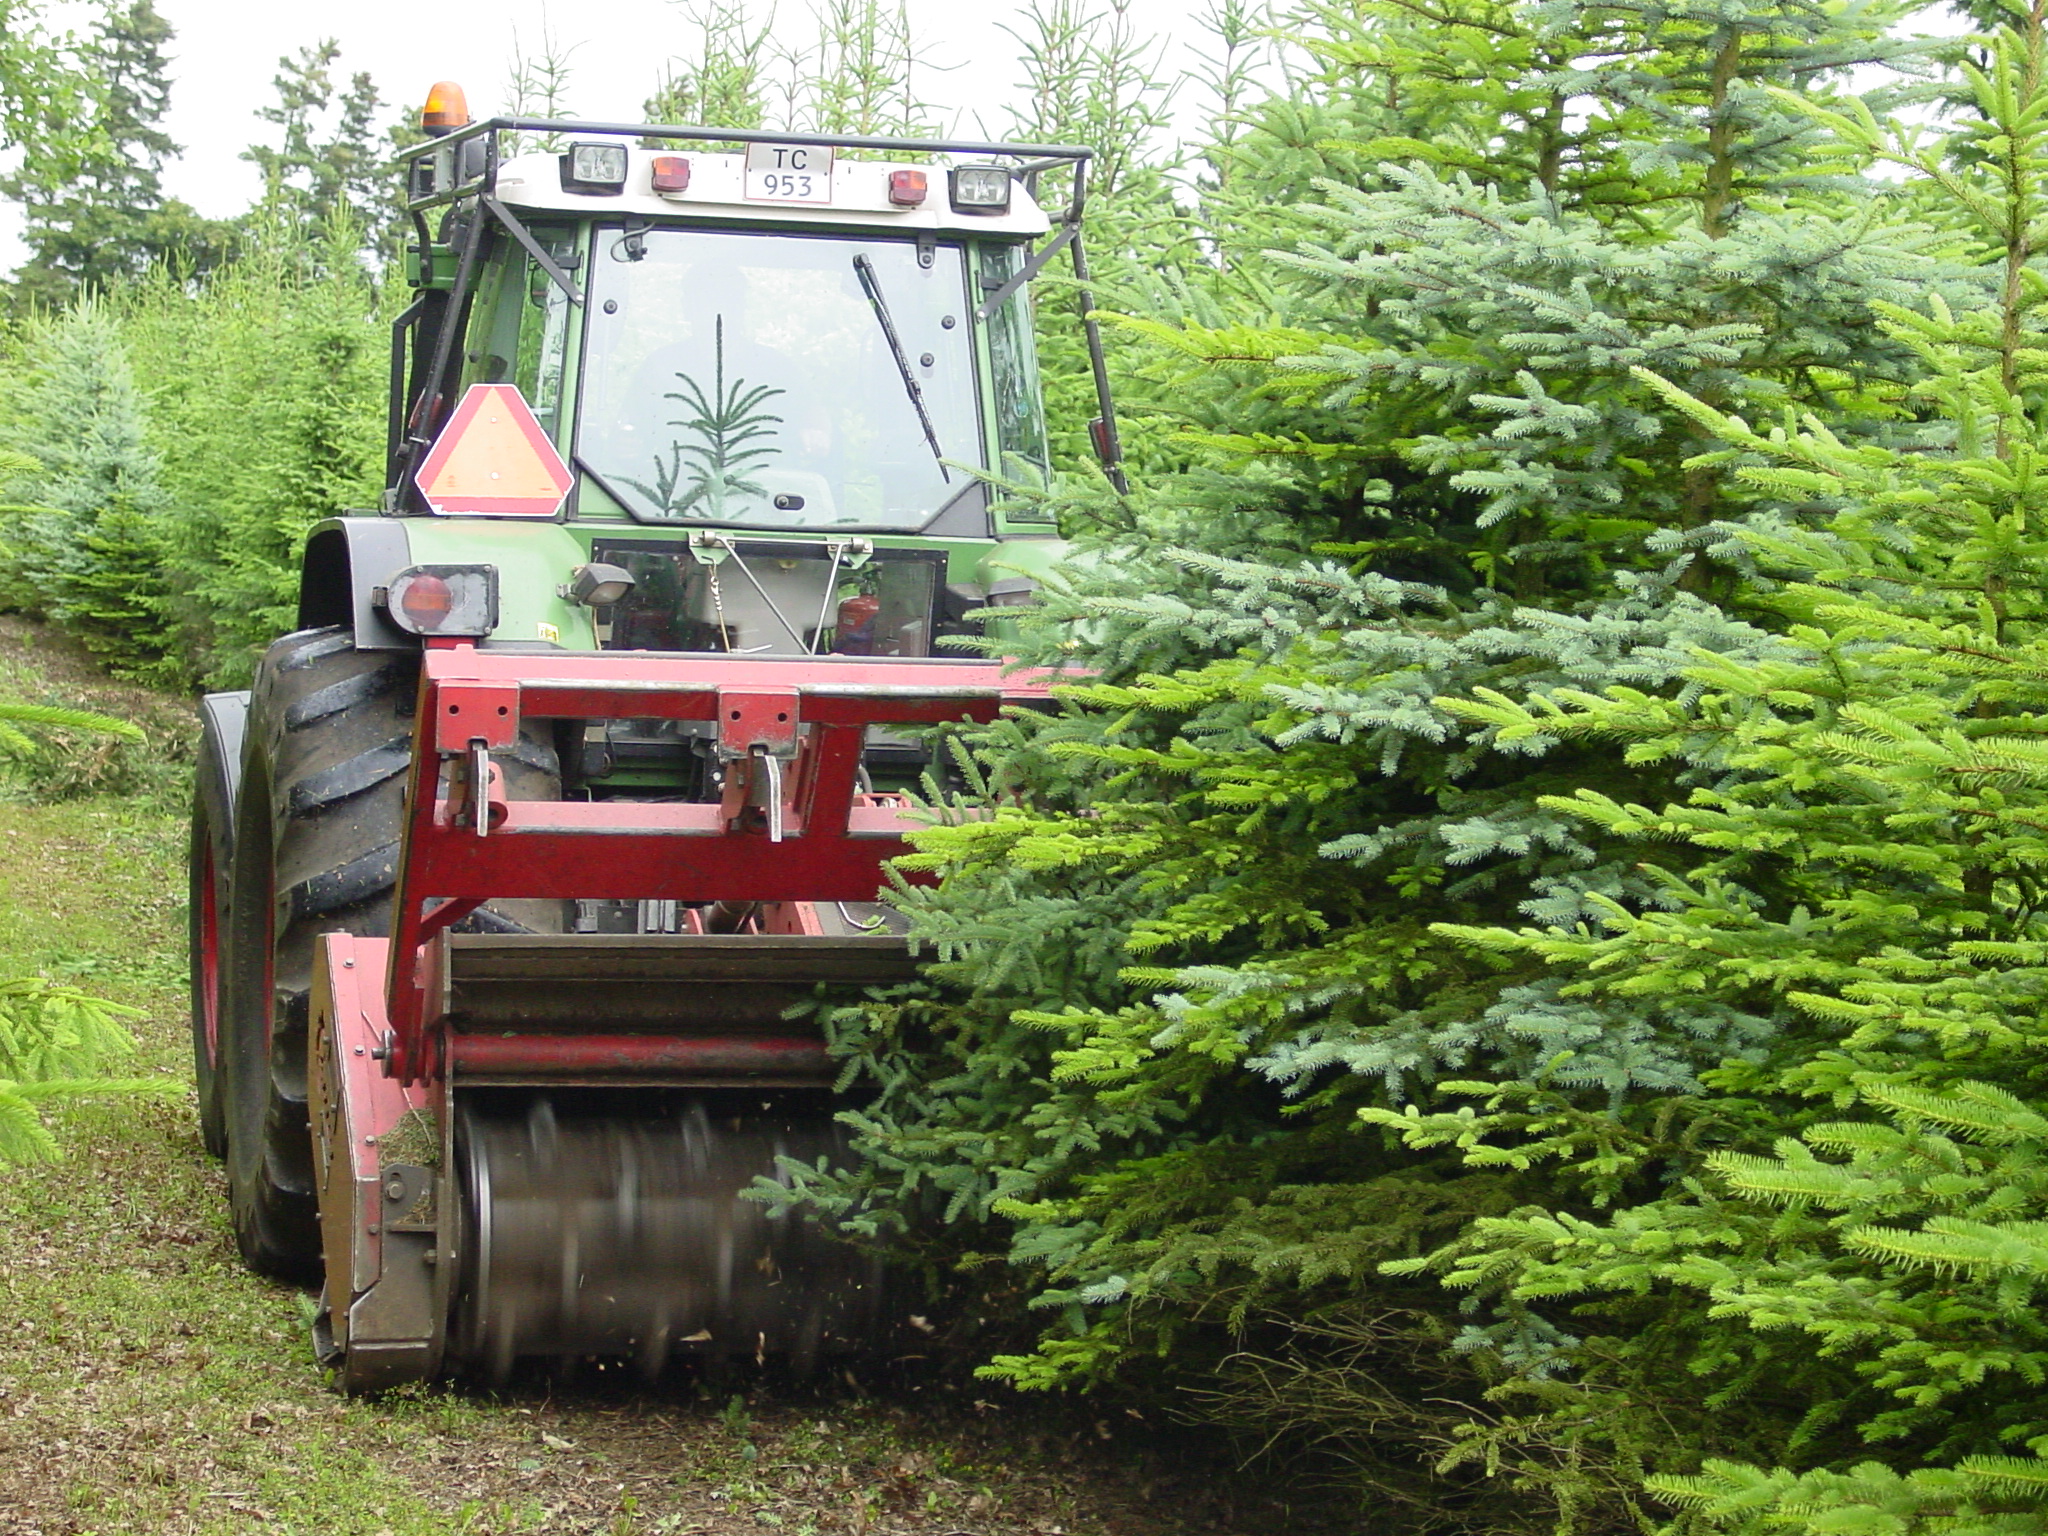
(447,109)
(906,188)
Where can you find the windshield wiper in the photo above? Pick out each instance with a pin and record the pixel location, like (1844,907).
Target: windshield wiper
(872,287)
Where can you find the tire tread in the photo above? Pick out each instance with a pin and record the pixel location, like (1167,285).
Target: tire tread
(328,829)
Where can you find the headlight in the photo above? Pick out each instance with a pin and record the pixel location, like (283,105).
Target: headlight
(598,585)
(455,600)
(980,188)
(1012,592)
(594,168)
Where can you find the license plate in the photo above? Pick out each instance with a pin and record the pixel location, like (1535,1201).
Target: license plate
(789,173)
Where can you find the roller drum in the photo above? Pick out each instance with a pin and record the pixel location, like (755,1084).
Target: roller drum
(595,1233)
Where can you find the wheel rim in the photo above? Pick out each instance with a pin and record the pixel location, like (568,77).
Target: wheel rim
(209,953)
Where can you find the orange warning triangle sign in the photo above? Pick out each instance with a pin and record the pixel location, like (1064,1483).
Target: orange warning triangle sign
(493,458)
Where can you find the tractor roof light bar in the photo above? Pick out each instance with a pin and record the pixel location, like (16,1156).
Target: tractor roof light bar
(1037,157)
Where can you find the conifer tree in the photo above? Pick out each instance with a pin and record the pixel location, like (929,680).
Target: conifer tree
(722,80)
(1864,871)
(856,74)
(1656,208)
(91,180)
(861,73)
(1091,77)
(1201,927)
(331,161)
(87,550)
(250,467)
(538,86)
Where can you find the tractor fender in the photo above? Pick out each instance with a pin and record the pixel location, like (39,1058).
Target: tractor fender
(348,558)
(223,723)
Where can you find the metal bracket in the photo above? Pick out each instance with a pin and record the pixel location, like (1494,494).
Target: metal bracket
(771,790)
(635,242)
(470,712)
(533,248)
(1028,271)
(709,548)
(486,791)
(764,720)
(404,1186)
(755,783)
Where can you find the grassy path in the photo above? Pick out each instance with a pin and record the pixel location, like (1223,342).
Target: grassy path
(148,1383)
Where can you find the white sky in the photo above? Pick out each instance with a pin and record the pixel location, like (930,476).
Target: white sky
(226,52)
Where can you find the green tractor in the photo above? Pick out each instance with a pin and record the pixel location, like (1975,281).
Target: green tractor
(582,766)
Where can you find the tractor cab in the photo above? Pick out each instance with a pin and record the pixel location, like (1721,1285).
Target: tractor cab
(781,371)
(824,377)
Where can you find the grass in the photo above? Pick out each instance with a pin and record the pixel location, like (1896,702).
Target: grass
(148,1383)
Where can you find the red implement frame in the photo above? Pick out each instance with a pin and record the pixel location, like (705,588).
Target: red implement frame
(789,829)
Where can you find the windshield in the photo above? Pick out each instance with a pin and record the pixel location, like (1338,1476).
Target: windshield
(778,380)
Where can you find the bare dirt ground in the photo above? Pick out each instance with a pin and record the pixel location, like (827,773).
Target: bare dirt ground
(148,1383)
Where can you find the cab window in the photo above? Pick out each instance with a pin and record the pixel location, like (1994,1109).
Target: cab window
(519,334)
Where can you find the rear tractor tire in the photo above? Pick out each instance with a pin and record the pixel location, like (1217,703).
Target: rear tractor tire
(316,847)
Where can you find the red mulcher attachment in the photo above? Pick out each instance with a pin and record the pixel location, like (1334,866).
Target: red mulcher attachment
(536,1144)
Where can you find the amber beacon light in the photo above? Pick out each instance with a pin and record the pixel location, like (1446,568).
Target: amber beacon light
(447,109)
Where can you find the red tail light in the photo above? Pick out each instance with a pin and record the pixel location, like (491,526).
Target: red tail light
(442,599)
(427,601)
(907,188)
(671,174)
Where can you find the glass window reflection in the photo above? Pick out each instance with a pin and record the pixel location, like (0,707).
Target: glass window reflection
(748,380)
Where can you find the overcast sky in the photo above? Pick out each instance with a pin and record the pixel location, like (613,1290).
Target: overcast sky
(227,51)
